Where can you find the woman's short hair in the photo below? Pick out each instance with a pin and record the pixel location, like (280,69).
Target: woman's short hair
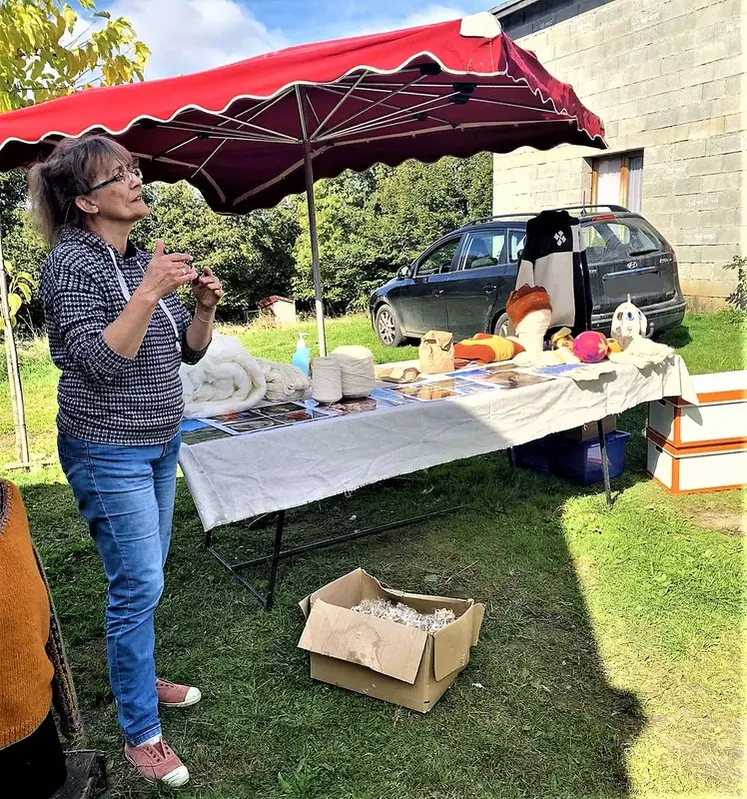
(67,173)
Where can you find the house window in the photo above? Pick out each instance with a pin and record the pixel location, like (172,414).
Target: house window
(618,180)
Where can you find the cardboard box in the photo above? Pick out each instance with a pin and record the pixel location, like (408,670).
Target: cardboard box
(589,431)
(382,658)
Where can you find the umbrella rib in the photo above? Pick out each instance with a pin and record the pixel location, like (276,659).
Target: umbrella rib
(256,127)
(274,180)
(214,184)
(301,114)
(177,146)
(208,177)
(379,125)
(311,106)
(347,94)
(374,103)
(389,105)
(201,167)
(149,157)
(263,106)
(521,107)
(403,92)
(462,126)
(405,112)
(233,135)
(400,114)
(523,87)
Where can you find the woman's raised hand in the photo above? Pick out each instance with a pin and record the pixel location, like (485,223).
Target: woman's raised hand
(165,273)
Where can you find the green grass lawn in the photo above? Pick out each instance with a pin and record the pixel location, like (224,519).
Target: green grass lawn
(611,656)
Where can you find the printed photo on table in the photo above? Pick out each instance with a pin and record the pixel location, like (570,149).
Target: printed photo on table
(202,434)
(346,407)
(254,425)
(280,408)
(511,379)
(427,392)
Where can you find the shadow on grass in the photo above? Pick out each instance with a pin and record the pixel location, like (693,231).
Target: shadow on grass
(532,716)
(677,337)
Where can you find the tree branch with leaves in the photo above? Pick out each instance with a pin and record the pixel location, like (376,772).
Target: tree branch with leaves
(48,49)
(44,53)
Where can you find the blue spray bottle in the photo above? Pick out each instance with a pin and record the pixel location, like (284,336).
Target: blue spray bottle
(302,355)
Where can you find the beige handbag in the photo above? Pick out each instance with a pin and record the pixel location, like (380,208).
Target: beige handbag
(436,352)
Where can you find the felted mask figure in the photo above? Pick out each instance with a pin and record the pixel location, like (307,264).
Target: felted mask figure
(628,323)
(562,339)
(530,311)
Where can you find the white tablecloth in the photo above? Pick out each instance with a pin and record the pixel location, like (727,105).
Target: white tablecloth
(235,478)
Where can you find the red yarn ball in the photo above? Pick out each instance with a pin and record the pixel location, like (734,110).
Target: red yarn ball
(590,347)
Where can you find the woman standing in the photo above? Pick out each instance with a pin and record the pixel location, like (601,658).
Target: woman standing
(118,334)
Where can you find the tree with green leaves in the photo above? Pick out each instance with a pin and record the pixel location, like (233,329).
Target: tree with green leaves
(19,287)
(370,223)
(47,49)
(253,254)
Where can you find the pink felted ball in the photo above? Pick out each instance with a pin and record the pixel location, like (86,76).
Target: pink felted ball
(590,347)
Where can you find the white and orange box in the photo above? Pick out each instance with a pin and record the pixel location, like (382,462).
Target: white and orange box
(703,447)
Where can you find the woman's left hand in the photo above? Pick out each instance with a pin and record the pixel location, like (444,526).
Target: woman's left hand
(207,289)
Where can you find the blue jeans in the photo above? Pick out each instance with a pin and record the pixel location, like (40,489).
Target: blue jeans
(126,494)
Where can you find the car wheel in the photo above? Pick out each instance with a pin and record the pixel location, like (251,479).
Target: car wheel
(503,326)
(387,329)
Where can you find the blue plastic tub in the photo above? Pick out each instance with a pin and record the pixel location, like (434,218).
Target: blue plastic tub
(534,456)
(579,462)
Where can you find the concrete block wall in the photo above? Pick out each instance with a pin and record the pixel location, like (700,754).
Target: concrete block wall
(666,77)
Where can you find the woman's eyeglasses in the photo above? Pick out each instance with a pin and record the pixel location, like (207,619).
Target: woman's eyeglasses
(128,172)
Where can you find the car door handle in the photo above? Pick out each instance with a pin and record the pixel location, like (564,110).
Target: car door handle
(438,293)
(490,289)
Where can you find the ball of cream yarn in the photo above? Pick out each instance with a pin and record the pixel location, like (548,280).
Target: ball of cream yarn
(357,368)
(326,380)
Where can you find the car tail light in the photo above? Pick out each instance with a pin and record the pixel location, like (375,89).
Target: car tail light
(668,246)
(603,218)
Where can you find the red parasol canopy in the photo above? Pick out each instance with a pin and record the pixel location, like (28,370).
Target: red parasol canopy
(250,133)
(236,132)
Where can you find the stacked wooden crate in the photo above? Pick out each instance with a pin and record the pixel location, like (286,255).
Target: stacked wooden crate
(703,447)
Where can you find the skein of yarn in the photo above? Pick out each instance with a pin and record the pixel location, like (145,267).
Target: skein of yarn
(357,366)
(326,380)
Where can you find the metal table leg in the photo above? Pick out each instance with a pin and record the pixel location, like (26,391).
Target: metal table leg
(277,547)
(605,462)
(267,599)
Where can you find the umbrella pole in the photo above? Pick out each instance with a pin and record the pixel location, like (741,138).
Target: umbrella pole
(309,173)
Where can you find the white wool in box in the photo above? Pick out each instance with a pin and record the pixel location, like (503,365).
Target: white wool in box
(326,380)
(404,614)
(357,367)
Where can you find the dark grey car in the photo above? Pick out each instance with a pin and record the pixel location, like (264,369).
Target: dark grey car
(461,282)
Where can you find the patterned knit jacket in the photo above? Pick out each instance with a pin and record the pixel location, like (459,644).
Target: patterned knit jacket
(33,669)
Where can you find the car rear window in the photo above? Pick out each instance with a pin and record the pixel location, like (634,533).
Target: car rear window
(619,239)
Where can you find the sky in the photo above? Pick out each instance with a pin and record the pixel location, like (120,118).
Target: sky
(190,35)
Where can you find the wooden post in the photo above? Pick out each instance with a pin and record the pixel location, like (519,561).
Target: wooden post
(14,375)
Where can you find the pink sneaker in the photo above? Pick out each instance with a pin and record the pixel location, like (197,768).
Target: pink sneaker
(173,695)
(158,763)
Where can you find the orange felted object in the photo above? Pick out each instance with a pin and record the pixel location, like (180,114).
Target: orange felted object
(485,348)
(614,346)
(525,300)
